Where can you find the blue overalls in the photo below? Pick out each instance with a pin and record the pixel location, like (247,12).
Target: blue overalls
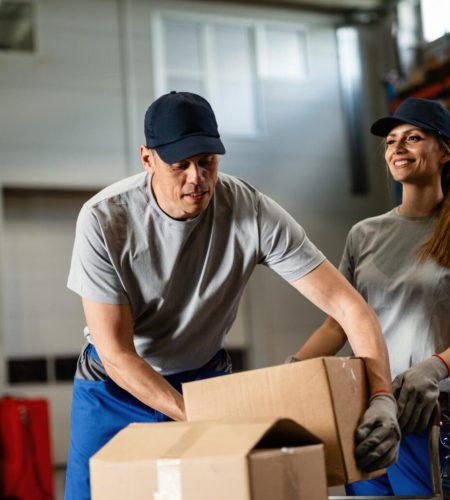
(410,476)
(100,409)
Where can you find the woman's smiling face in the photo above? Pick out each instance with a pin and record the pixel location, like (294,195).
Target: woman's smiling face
(413,155)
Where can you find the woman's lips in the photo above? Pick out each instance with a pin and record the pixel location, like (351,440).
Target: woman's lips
(401,163)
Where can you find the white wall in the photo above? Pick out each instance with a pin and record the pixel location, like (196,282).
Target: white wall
(71,117)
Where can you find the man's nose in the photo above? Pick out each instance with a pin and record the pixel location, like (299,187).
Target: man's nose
(195,173)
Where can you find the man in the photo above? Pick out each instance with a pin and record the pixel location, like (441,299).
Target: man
(161,260)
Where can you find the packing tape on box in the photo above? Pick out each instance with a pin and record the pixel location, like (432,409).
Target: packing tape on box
(191,436)
(290,483)
(352,373)
(168,478)
(168,467)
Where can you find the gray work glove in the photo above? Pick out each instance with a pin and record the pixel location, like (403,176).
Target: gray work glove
(378,435)
(417,391)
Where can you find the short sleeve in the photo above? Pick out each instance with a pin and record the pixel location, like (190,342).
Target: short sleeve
(347,264)
(92,273)
(284,246)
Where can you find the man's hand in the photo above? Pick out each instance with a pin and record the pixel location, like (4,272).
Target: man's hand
(417,391)
(378,435)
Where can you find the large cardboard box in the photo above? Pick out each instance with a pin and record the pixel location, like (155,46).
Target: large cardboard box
(327,396)
(258,459)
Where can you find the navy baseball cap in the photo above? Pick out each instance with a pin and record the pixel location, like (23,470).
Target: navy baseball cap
(179,125)
(426,114)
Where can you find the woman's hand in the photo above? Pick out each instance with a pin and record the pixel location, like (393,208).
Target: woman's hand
(417,391)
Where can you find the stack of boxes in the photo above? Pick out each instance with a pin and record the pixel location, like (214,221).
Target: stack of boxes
(279,433)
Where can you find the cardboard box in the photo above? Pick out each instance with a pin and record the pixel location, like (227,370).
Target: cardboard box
(327,396)
(258,459)
(288,474)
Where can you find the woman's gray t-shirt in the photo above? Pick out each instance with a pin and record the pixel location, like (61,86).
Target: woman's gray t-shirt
(182,279)
(411,298)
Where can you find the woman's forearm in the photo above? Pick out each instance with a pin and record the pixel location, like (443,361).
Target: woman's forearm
(327,340)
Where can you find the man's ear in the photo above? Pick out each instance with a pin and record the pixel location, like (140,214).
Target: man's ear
(147,158)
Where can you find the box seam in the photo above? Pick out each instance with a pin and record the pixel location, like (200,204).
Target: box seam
(338,434)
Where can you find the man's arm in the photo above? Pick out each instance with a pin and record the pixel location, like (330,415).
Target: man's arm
(330,291)
(111,327)
(377,436)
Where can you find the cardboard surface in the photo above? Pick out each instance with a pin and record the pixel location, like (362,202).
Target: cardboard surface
(290,473)
(327,396)
(210,461)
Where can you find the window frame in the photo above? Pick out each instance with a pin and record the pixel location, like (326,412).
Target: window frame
(259,31)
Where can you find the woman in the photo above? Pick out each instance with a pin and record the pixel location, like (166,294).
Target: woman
(400,263)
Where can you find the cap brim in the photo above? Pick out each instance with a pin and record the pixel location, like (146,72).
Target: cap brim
(383,126)
(190,146)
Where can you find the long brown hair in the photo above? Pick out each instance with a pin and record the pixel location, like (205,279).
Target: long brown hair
(438,246)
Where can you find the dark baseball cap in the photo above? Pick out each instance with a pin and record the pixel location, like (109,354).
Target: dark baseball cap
(179,125)
(426,114)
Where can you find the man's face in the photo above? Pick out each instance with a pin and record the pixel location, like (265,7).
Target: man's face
(184,189)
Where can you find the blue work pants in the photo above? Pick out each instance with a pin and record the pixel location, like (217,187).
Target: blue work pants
(410,476)
(100,409)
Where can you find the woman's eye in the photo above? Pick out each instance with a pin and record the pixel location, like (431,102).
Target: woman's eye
(389,142)
(413,138)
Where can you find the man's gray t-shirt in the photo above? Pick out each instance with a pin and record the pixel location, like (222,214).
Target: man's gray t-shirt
(411,298)
(182,279)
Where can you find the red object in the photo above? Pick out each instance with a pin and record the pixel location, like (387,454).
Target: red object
(26,471)
(445,363)
(380,391)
